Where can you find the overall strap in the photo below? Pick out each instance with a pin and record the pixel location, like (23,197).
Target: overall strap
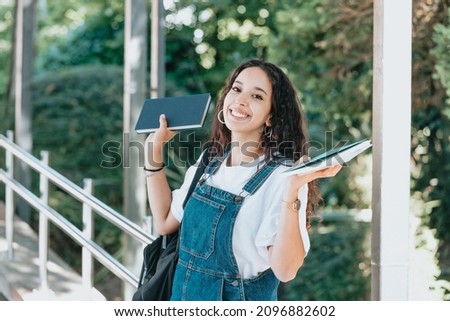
(255,181)
(263,173)
(215,163)
(198,173)
(259,178)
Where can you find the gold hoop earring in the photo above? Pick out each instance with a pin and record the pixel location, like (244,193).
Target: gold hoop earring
(218,117)
(268,134)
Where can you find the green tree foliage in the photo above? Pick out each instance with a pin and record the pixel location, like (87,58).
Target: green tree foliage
(441,37)
(6,39)
(431,132)
(77,112)
(326,48)
(87,34)
(6,23)
(332,45)
(221,33)
(337,266)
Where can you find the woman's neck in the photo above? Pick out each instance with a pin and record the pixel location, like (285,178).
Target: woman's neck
(244,152)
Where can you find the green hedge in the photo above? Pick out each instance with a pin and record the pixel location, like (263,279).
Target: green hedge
(74,113)
(337,267)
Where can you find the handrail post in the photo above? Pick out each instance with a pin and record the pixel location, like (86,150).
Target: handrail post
(9,199)
(43,227)
(88,226)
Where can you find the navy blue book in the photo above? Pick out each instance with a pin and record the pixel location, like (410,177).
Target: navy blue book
(182,112)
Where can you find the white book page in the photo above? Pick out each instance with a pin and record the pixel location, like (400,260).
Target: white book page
(329,159)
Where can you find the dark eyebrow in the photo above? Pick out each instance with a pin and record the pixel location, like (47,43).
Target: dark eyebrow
(257,88)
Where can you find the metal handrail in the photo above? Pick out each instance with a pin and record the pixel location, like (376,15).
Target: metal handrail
(98,206)
(100,254)
(88,201)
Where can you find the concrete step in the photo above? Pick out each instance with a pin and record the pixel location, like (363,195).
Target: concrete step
(8,291)
(20,274)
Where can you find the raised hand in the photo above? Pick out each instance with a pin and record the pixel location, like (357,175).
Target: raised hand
(156,141)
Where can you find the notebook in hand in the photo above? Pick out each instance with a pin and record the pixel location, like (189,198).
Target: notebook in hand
(182,112)
(339,155)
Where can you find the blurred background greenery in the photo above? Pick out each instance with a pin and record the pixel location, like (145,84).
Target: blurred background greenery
(325,46)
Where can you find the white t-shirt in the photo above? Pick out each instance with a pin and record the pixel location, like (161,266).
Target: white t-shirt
(257,222)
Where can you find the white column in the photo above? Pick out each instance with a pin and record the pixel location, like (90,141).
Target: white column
(135,81)
(158,51)
(23,73)
(391,148)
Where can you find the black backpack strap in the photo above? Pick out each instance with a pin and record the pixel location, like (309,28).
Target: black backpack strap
(198,173)
(162,242)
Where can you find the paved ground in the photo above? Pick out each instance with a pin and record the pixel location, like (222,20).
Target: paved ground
(19,277)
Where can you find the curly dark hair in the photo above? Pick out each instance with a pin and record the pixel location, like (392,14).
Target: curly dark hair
(289,136)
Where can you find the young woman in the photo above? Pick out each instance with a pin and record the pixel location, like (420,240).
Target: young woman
(244,229)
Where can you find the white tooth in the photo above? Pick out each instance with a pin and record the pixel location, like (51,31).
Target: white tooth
(238,114)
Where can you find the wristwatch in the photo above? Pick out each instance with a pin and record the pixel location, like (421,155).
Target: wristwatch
(295,205)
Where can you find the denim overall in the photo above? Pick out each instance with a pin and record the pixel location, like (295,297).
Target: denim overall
(207,269)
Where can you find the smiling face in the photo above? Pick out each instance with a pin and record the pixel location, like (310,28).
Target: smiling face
(247,105)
